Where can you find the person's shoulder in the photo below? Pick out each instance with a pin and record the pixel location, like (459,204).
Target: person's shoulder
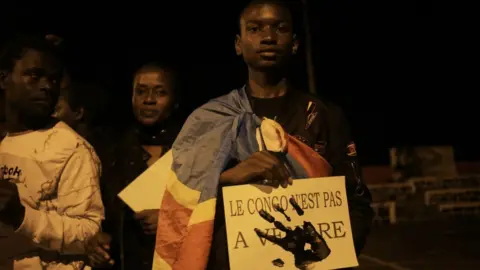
(64,135)
(66,140)
(228,98)
(225,105)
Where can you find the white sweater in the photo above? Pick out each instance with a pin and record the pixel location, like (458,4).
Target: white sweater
(57,174)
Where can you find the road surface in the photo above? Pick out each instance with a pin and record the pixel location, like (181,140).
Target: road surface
(439,245)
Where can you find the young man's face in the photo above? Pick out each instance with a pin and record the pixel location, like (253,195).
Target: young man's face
(153,95)
(33,86)
(266,36)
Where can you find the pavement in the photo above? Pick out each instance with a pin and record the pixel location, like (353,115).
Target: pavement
(441,245)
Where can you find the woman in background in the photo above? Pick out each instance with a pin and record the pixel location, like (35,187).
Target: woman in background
(128,238)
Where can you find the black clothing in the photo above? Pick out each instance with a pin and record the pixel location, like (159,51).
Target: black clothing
(123,161)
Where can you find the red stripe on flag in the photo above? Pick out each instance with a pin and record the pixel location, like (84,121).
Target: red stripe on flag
(313,163)
(196,247)
(172,228)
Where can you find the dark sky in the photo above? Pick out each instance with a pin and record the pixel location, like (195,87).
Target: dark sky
(397,68)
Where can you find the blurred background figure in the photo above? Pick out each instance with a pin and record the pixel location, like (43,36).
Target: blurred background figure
(81,105)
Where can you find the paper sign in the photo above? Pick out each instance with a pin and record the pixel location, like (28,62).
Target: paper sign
(323,202)
(146,191)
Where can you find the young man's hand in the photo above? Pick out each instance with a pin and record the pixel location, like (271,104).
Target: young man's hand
(98,248)
(260,166)
(12,211)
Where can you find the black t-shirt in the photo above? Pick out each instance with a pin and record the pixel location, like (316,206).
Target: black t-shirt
(273,108)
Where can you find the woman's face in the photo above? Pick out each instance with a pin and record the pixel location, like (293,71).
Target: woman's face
(153,95)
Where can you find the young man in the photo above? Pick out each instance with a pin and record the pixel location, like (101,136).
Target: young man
(50,202)
(218,146)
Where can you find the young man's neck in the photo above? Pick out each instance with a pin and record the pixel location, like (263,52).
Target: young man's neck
(3,129)
(267,84)
(14,123)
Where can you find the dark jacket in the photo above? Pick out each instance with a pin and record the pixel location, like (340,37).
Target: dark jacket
(123,161)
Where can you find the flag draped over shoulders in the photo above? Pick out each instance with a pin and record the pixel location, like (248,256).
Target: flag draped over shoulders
(223,129)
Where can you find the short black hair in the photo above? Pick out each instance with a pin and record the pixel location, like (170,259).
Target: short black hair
(293,6)
(161,64)
(19,45)
(88,95)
